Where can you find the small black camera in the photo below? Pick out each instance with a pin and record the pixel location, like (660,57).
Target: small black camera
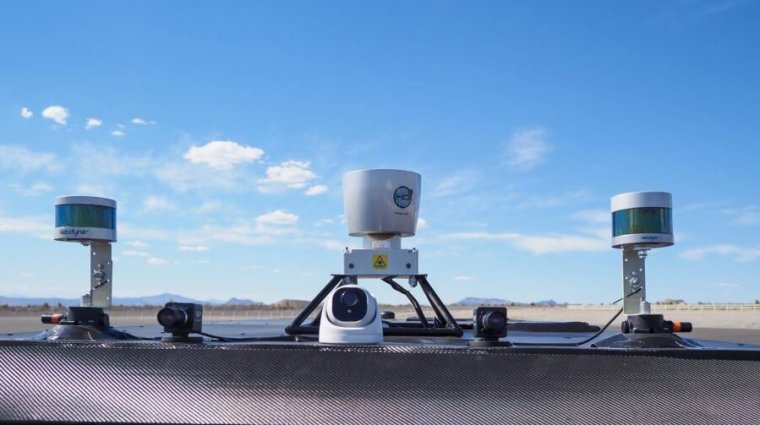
(181,319)
(490,323)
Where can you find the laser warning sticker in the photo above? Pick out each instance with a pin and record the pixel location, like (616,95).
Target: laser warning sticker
(379,261)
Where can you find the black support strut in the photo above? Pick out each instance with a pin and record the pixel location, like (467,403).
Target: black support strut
(445,325)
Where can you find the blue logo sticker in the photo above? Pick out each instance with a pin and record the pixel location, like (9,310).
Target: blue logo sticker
(402,196)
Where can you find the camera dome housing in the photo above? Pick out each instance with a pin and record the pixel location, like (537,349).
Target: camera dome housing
(350,316)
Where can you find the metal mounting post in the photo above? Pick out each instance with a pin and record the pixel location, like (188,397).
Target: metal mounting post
(634,281)
(101,275)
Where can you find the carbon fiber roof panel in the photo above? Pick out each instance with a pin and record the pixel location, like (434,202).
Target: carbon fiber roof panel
(307,384)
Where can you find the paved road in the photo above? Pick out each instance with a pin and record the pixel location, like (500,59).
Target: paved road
(745,336)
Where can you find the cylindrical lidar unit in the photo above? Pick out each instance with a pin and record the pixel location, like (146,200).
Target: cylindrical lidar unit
(85,219)
(642,219)
(381,203)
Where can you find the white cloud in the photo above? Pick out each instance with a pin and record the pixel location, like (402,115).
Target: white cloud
(184,177)
(464,278)
(458,183)
(59,114)
(193,248)
(155,261)
(153,234)
(31,225)
(727,285)
(91,189)
(597,216)
(538,244)
(26,113)
(422,224)
(209,207)
(222,154)
(134,253)
(137,244)
(333,245)
(93,122)
(273,227)
(316,190)
(118,133)
(119,164)
(157,203)
(553,200)
(277,217)
(289,174)
(140,121)
(241,233)
(323,222)
(561,243)
(748,216)
(734,252)
(35,189)
(527,148)
(20,158)
(276,222)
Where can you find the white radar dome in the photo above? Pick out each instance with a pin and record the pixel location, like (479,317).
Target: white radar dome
(85,219)
(381,203)
(642,219)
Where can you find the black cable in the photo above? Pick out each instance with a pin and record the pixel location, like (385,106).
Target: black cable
(389,280)
(569,344)
(592,337)
(629,295)
(604,328)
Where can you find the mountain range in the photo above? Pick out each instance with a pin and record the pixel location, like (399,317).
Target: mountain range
(499,301)
(159,299)
(164,298)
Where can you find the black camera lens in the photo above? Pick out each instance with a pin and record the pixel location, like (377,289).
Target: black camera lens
(494,321)
(349,304)
(172,317)
(490,322)
(349,298)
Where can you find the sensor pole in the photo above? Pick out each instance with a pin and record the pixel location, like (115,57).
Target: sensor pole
(634,281)
(101,266)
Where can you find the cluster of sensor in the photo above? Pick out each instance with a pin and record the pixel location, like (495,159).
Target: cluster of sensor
(381,207)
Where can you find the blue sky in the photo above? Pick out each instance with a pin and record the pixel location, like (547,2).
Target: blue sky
(223,129)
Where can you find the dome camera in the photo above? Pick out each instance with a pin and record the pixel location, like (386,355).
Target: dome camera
(350,316)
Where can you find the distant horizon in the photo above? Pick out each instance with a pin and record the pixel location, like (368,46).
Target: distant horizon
(245,302)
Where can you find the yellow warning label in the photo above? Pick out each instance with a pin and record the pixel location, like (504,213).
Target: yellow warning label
(380,261)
